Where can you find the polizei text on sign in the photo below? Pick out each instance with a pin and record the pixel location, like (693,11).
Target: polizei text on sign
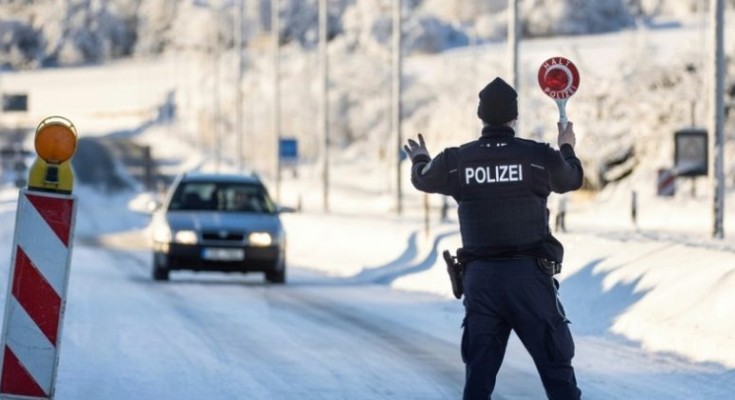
(561,94)
(493,174)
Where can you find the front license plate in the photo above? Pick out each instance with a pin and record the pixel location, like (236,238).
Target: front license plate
(215,254)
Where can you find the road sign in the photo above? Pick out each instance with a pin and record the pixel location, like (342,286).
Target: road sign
(691,152)
(288,150)
(15,102)
(402,155)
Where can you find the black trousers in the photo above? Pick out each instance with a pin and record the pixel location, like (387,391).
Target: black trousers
(501,295)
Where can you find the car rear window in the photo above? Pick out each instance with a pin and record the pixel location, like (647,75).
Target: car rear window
(217,196)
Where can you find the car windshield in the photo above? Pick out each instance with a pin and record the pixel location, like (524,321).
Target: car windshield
(220,196)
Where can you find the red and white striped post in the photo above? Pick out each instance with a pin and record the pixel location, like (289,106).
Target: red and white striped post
(39,271)
(666,183)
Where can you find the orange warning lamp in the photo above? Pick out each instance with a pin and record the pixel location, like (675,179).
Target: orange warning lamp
(55,142)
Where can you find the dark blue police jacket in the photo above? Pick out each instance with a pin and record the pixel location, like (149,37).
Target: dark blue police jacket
(501,184)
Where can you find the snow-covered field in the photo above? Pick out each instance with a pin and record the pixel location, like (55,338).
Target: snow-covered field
(652,305)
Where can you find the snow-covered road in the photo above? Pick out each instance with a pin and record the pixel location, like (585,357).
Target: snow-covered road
(212,336)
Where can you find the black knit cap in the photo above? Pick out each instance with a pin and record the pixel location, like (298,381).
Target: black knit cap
(498,103)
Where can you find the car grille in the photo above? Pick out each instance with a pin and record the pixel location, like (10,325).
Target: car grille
(223,235)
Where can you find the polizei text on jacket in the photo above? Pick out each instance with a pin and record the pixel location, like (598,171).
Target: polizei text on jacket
(493,174)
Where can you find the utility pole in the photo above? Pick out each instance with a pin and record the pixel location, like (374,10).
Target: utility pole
(275,32)
(397,100)
(215,91)
(475,66)
(513,34)
(716,118)
(239,130)
(513,39)
(324,103)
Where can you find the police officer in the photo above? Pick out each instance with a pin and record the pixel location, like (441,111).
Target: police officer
(501,184)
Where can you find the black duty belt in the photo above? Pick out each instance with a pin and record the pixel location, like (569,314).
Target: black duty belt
(549,267)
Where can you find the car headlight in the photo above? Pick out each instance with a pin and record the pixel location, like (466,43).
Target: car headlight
(260,239)
(185,237)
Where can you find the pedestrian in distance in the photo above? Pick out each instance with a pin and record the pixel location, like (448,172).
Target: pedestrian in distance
(634,208)
(509,256)
(561,214)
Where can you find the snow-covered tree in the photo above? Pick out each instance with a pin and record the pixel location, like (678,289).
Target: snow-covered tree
(20,45)
(570,17)
(66,32)
(429,34)
(154,24)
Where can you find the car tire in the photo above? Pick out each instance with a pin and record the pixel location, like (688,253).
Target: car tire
(277,276)
(160,273)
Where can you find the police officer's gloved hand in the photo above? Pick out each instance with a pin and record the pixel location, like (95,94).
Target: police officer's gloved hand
(566,135)
(417,151)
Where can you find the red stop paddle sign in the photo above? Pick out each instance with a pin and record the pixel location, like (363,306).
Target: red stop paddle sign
(559,79)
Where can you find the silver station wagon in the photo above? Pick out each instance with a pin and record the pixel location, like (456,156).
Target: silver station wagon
(218,222)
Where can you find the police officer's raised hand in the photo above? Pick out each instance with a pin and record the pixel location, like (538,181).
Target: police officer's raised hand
(566,135)
(415,150)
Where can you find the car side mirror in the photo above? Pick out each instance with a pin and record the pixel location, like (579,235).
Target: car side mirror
(285,209)
(152,206)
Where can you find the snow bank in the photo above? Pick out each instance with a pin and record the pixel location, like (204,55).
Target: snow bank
(669,296)
(666,295)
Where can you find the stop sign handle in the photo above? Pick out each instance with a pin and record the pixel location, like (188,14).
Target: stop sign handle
(562,105)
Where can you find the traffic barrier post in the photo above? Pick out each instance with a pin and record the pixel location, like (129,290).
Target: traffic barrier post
(39,270)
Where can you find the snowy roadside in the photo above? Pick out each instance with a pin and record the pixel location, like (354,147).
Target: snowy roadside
(660,306)
(668,296)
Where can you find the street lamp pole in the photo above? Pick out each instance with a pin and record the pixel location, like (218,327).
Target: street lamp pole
(324,104)
(397,26)
(216,90)
(716,117)
(275,32)
(240,72)
(513,34)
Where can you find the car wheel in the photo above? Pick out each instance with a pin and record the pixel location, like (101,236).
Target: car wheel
(160,273)
(278,275)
